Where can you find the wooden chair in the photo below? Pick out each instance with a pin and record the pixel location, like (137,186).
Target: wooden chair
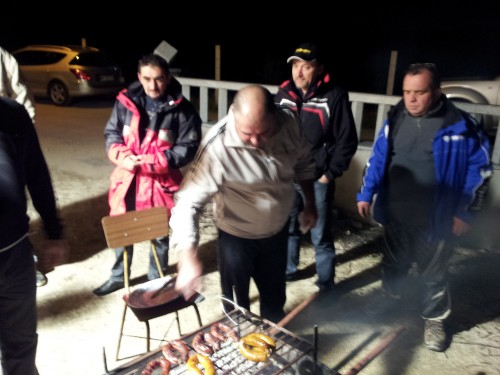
(138,226)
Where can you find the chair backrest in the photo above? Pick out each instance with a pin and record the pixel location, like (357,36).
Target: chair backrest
(135,226)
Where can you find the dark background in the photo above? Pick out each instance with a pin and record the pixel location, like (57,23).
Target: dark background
(356,41)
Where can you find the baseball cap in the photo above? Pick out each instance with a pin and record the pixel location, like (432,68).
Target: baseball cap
(305,52)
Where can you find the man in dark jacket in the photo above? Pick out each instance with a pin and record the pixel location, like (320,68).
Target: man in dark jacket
(328,124)
(152,133)
(23,166)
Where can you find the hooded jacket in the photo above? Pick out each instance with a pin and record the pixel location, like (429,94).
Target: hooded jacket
(462,164)
(167,140)
(327,122)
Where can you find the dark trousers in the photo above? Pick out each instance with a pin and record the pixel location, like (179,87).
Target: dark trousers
(264,261)
(406,244)
(18,315)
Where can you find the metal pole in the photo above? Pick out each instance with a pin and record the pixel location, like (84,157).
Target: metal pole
(375,352)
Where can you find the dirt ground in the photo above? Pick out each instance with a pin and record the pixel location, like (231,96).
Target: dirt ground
(75,327)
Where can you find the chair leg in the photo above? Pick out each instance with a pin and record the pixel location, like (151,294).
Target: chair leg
(198,314)
(157,260)
(178,323)
(148,335)
(125,270)
(127,288)
(121,331)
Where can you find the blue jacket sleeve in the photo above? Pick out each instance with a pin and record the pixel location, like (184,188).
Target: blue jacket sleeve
(375,167)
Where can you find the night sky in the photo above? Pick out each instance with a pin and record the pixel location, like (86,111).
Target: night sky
(255,41)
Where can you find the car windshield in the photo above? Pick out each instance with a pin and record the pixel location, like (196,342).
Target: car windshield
(93,59)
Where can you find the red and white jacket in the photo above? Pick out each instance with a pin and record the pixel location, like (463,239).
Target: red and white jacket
(166,139)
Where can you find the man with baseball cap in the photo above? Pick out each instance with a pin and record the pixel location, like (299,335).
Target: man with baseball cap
(328,123)
(304,52)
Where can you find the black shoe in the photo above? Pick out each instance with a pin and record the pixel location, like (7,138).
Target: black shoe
(325,287)
(108,287)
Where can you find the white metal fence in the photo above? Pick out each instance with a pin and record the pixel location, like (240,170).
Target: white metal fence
(214,97)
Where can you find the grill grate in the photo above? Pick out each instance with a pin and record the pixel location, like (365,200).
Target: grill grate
(291,351)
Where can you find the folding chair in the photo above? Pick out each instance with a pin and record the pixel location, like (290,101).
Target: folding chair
(138,226)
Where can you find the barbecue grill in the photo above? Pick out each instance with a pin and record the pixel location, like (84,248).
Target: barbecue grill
(293,355)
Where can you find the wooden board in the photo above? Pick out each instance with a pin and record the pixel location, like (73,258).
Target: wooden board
(135,226)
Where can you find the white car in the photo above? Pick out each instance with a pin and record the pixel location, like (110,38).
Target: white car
(476,91)
(62,73)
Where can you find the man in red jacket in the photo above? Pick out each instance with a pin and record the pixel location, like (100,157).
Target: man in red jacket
(153,131)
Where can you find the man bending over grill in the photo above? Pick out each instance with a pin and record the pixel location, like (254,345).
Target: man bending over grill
(245,166)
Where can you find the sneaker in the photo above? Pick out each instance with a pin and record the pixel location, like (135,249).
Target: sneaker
(108,287)
(41,279)
(435,335)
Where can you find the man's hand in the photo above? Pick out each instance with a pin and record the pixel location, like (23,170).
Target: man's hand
(131,162)
(460,227)
(307,219)
(189,272)
(364,209)
(53,253)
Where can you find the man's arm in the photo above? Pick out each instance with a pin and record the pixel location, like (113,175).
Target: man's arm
(345,142)
(54,250)
(188,139)
(309,215)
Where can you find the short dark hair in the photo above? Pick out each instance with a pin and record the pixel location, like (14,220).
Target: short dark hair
(417,68)
(154,60)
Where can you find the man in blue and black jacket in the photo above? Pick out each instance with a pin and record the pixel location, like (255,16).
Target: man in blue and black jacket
(429,168)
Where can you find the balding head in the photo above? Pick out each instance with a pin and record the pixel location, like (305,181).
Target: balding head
(253,110)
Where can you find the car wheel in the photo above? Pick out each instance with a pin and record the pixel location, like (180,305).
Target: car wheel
(58,93)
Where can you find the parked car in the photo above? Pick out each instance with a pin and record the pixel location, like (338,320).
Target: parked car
(64,72)
(476,91)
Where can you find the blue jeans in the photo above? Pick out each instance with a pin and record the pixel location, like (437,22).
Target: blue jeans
(321,234)
(18,314)
(162,245)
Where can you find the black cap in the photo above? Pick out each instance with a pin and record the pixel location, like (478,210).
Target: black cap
(305,52)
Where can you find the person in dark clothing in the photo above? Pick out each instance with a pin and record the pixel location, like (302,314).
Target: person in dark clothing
(328,124)
(429,168)
(153,132)
(12,86)
(23,169)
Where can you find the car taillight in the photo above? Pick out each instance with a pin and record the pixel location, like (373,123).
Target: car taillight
(81,74)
